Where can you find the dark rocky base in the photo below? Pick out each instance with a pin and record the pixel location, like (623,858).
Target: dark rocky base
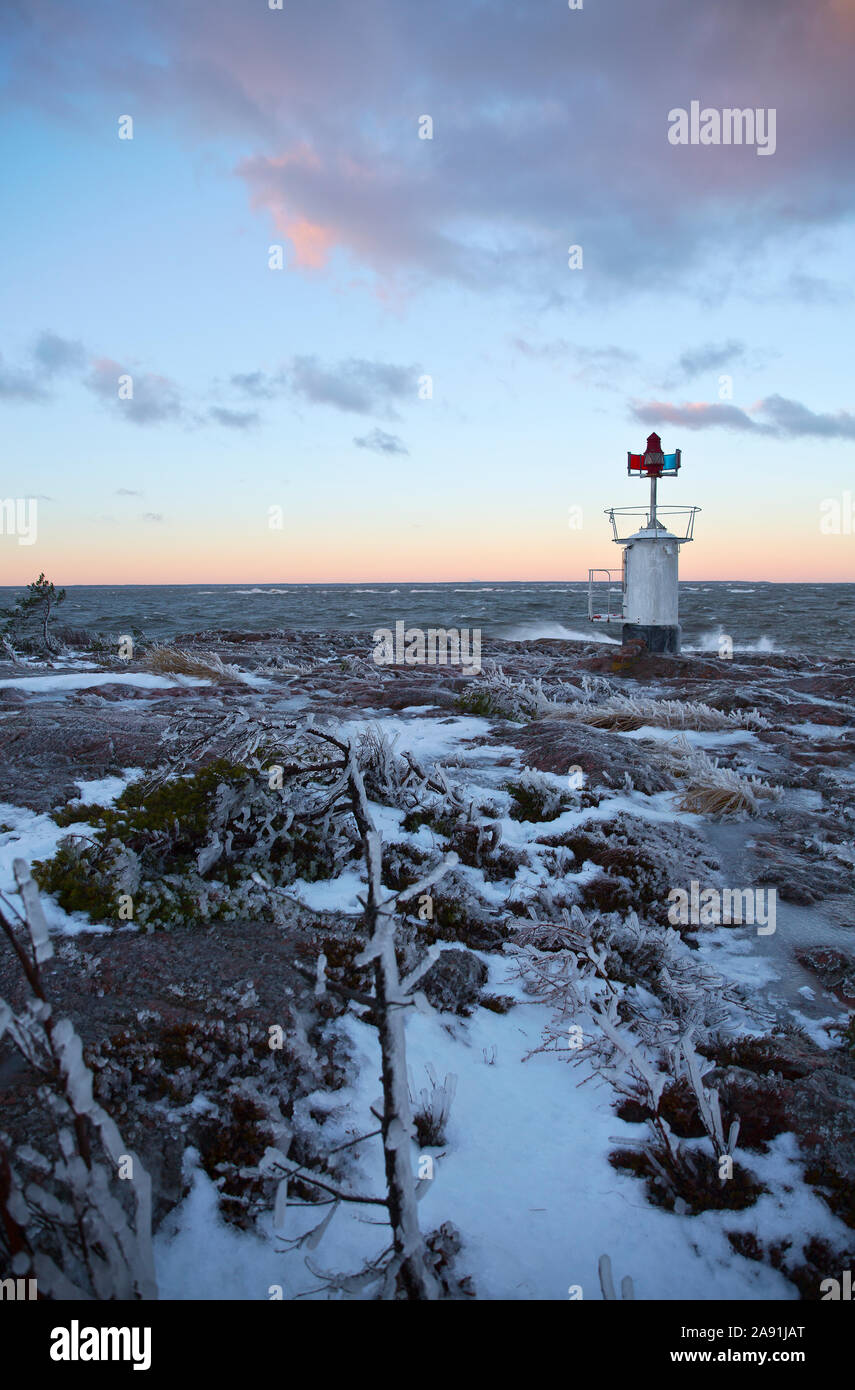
(658,638)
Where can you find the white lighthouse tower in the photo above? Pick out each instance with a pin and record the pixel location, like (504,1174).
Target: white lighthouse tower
(649,576)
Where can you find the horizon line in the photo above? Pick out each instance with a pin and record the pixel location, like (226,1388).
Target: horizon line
(348,583)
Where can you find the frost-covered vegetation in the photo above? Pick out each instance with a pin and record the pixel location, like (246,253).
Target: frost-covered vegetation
(625,713)
(75,1213)
(711,790)
(210,846)
(537,798)
(173,661)
(498,695)
(432,1107)
(411,1267)
(519,919)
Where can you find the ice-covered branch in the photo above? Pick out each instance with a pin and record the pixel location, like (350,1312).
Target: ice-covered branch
(70,1225)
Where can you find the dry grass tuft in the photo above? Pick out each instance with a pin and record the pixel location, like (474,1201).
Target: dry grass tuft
(623,714)
(710,790)
(172,661)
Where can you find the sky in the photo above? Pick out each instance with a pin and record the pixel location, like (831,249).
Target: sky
(287,294)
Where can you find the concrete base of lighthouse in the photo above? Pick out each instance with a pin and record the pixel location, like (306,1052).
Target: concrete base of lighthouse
(658,637)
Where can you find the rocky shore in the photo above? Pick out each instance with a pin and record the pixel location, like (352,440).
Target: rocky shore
(578,788)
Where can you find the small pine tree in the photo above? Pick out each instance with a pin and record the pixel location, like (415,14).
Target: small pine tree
(36,606)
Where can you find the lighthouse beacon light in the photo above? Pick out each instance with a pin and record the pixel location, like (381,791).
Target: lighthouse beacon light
(651,551)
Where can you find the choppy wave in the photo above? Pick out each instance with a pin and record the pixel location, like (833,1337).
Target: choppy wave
(532,632)
(711,642)
(812,619)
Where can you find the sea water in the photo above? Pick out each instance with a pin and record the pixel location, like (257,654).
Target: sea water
(814,620)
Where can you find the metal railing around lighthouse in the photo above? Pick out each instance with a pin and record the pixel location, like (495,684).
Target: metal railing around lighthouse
(653,521)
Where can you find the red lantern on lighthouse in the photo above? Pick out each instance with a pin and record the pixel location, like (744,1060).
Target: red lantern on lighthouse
(653,463)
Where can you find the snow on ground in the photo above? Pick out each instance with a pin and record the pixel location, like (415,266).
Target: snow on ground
(732,951)
(428,738)
(718,738)
(259,682)
(103,791)
(524,1172)
(818,732)
(656,808)
(331,894)
(527,1179)
(74,680)
(198,1255)
(524,1175)
(31,835)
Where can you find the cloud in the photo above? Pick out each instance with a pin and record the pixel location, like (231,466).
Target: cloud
(152,516)
(354,385)
(127,492)
(778,416)
(794,420)
(605,356)
(597,365)
(694,415)
(540,140)
(601,366)
(50,355)
(367,205)
(813,289)
(481,203)
(257,384)
(556,348)
(19,385)
(154,400)
(381,443)
(709,357)
(54,354)
(144,398)
(234,419)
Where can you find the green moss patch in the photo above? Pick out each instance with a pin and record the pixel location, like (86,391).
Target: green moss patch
(200,848)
